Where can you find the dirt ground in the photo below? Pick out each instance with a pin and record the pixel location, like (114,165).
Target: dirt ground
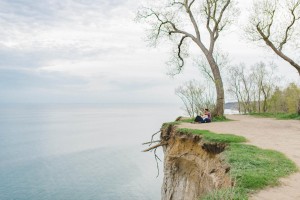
(280,135)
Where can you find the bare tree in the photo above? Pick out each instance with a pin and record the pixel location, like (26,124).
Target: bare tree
(190,93)
(252,88)
(234,86)
(277,24)
(259,78)
(241,86)
(199,22)
(194,97)
(265,83)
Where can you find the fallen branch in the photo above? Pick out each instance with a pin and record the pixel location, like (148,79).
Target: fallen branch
(155,146)
(151,142)
(156,157)
(152,137)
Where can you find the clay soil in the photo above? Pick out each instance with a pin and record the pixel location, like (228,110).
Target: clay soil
(266,133)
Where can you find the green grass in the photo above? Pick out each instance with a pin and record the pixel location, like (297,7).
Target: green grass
(187,120)
(227,194)
(252,168)
(221,119)
(277,115)
(170,124)
(214,119)
(190,120)
(214,137)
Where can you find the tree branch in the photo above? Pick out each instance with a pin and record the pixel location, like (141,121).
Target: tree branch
(179,53)
(272,13)
(155,146)
(151,142)
(192,18)
(216,29)
(279,53)
(208,13)
(156,159)
(153,136)
(288,29)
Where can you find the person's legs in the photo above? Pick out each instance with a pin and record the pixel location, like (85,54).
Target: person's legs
(199,119)
(206,120)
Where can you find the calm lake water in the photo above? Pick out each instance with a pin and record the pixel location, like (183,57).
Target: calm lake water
(79,152)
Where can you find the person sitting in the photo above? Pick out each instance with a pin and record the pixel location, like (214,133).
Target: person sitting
(206,118)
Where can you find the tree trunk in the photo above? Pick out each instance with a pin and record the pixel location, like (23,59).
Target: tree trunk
(259,101)
(299,107)
(265,100)
(219,110)
(265,108)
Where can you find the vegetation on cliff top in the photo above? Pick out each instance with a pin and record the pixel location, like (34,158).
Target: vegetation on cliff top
(180,120)
(214,119)
(277,115)
(252,168)
(213,137)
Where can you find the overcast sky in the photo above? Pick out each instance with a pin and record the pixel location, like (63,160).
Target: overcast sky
(92,51)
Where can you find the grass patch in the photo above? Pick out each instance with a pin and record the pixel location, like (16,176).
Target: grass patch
(277,115)
(214,137)
(170,124)
(221,119)
(252,168)
(187,120)
(227,194)
(214,119)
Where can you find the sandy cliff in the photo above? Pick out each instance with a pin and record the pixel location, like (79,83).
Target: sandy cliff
(192,167)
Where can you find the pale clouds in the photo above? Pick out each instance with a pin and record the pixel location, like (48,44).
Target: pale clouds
(92,49)
(87,51)
(66,30)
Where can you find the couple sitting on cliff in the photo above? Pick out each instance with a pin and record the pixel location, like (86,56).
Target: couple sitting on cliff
(205,118)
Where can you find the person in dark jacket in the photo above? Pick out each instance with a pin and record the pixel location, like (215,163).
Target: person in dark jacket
(206,118)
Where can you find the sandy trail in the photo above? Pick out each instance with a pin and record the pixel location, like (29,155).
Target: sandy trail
(280,135)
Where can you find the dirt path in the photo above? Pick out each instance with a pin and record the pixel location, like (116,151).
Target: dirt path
(280,135)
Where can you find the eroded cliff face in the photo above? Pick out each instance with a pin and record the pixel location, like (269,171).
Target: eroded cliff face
(192,168)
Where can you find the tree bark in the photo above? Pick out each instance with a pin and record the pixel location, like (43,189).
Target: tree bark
(219,110)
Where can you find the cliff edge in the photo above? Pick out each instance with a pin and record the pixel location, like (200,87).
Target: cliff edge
(192,167)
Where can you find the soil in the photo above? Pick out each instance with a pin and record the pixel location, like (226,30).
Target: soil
(192,168)
(266,133)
